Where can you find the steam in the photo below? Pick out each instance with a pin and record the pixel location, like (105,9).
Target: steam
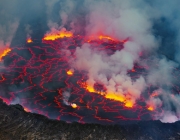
(100,67)
(122,20)
(8,26)
(66,95)
(169,117)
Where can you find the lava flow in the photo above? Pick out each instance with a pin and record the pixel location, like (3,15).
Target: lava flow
(57,35)
(37,76)
(4,52)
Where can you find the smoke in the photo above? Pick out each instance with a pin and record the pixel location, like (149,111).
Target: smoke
(169,117)
(100,67)
(66,95)
(161,72)
(133,21)
(8,23)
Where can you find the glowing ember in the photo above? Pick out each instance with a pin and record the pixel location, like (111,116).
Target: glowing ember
(26,109)
(73,105)
(133,70)
(70,72)
(150,108)
(57,35)
(29,40)
(4,53)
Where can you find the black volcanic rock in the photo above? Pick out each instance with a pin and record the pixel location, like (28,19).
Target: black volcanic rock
(16,124)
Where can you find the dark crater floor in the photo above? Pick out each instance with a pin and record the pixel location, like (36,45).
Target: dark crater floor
(16,124)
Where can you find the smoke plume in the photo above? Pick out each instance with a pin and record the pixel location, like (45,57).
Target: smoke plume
(133,21)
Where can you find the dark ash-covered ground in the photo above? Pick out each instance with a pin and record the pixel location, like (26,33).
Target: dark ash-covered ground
(16,124)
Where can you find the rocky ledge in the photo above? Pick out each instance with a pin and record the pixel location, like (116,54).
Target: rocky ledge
(16,124)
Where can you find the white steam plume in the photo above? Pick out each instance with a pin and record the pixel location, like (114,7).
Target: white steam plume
(66,95)
(120,20)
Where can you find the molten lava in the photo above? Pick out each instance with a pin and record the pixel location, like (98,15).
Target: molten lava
(57,35)
(26,109)
(150,108)
(29,40)
(4,53)
(106,37)
(90,89)
(70,72)
(129,104)
(73,105)
(111,96)
(116,97)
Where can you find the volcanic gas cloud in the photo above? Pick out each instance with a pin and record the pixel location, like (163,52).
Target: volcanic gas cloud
(104,63)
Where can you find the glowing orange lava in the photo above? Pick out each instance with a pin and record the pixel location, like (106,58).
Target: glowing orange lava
(129,104)
(70,72)
(4,53)
(90,88)
(109,95)
(29,40)
(150,108)
(26,109)
(154,94)
(106,37)
(73,105)
(57,35)
(115,97)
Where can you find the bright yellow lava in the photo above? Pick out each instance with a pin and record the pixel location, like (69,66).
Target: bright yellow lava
(26,109)
(129,104)
(29,40)
(90,88)
(4,53)
(150,108)
(55,35)
(116,97)
(73,105)
(70,72)
(105,37)
(111,96)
